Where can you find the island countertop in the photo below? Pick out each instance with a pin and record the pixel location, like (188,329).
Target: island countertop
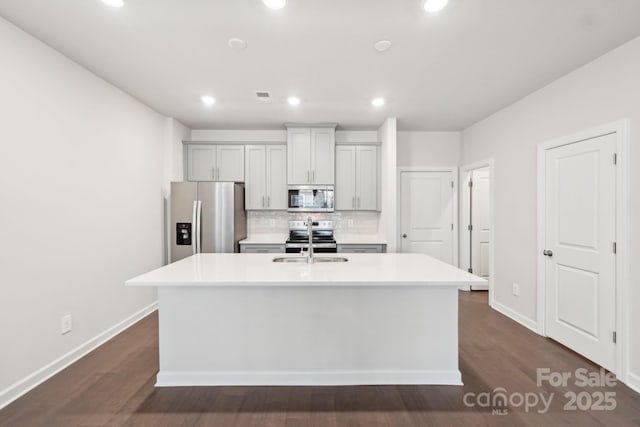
(252,269)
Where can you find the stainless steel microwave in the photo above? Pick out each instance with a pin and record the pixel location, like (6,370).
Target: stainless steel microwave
(310,198)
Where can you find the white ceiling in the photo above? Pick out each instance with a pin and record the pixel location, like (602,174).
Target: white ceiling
(443,72)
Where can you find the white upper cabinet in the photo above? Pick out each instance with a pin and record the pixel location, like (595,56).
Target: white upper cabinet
(299,156)
(201,162)
(356,177)
(366,177)
(276,177)
(323,148)
(311,155)
(266,186)
(215,163)
(255,183)
(230,163)
(345,191)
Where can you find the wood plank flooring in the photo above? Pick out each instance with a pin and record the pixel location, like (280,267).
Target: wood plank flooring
(113,386)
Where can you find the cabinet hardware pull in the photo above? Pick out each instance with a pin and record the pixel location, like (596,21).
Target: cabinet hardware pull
(213,174)
(268,201)
(313,176)
(263,201)
(308,181)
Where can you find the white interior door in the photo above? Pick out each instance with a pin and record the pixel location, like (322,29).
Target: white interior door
(579,222)
(426,214)
(480,221)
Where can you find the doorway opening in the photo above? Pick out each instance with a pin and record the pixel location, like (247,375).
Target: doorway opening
(476,223)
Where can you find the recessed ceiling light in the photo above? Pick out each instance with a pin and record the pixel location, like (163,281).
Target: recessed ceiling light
(275,4)
(114,3)
(293,100)
(208,100)
(237,44)
(382,45)
(377,102)
(433,6)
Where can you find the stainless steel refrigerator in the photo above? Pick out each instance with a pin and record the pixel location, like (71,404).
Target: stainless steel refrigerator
(206,217)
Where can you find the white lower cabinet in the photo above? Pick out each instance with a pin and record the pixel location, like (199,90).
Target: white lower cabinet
(266,177)
(362,248)
(215,162)
(356,177)
(262,248)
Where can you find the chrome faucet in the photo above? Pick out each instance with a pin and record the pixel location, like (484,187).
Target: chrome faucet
(310,233)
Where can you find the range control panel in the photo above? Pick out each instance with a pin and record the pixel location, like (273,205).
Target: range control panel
(183,233)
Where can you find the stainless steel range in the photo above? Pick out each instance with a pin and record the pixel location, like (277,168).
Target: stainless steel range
(323,239)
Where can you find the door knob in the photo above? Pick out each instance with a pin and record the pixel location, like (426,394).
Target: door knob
(547,252)
(404,236)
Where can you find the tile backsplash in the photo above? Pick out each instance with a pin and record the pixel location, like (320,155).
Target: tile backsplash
(345,222)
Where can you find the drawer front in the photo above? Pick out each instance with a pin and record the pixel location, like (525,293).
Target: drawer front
(361,249)
(267,249)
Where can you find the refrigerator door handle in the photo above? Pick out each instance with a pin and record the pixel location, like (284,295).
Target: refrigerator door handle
(194,230)
(199,227)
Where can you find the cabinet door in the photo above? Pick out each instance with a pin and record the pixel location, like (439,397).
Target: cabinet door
(201,162)
(255,161)
(299,156)
(345,196)
(366,178)
(276,177)
(230,161)
(323,146)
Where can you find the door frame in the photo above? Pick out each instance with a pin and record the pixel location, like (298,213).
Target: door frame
(621,130)
(456,218)
(465,171)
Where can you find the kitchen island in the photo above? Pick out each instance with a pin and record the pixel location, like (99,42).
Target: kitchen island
(242,319)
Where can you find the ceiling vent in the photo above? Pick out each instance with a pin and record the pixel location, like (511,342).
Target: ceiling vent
(263,95)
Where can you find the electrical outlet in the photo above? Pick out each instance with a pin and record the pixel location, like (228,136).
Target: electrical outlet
(65,324)
(272,223)
(350,223)
(516,289)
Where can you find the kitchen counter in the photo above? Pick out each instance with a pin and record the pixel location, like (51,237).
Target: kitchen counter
(268,239)
(341,239)
(260,270)
(360,239)
(241,319)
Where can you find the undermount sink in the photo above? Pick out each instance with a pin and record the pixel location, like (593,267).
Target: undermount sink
(304,259)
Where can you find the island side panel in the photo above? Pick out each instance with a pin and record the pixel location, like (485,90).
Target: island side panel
(306,335)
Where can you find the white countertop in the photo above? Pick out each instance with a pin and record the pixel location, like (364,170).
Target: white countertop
(265,239)
(341,239)
(360,239)
(260,270)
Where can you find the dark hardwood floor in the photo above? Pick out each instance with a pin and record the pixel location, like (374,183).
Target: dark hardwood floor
(113,386)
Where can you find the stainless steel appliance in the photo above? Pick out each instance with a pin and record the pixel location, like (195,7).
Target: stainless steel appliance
(323,239)
(206,217)
(310,198)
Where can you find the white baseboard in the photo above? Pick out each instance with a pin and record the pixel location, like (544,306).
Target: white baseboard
(185,379)
(633,381)
(513,315)
(23,386)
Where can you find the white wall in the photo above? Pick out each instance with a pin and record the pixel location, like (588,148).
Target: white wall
(418,148)
(81,174)
(387,135)
(603,91)
(232,135)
